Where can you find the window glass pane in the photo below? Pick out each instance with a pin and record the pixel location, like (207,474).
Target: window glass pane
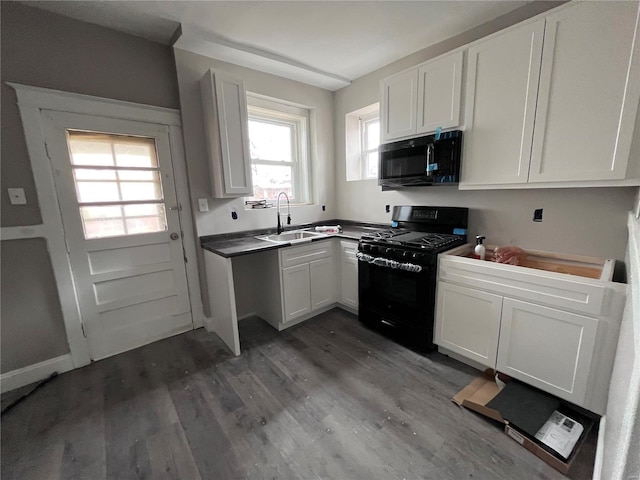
(138,175)
(270,180)
(141,154)
(97,192)
(90,152)
(269,141)
(372,165)
(145,218)
(89,174)
(373,134)
(101,222)
(126,220)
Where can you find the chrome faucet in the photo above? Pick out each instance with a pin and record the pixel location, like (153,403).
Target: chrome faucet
(279,227)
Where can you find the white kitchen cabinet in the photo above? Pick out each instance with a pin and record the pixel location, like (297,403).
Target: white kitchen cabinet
(468,322)
(552,323)
(349,274)
(423,98)
(322,275)
(296,288)
(224,105)
(399,105)
(502,85)
(439,91)
(547,348)
(308,279)
(589,91)
(577,73)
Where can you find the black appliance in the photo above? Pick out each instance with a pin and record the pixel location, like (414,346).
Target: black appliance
(421,161)
(397,271)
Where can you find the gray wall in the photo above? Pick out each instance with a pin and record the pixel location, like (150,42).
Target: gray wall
(30,330)
(582,221)
(43,49)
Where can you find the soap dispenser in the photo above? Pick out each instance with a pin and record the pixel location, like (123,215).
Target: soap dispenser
(480,250)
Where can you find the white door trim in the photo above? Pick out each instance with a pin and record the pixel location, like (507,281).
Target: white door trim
(31,100)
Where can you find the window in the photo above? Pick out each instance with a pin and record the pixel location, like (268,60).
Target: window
(118,184)
(370,139)
(278,145)
(362,140)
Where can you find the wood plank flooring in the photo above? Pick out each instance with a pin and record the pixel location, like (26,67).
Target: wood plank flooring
(326,399)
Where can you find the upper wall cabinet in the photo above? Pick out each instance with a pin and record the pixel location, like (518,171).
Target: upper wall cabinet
(224,104)
(423,98)
(572,127)
(399,105)
(502,84)
(439,88)
(589,90)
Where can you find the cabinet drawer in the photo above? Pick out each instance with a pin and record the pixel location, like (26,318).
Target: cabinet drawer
(566,292)
(298,255)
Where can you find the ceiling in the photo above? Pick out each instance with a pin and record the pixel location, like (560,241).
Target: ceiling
(334,41)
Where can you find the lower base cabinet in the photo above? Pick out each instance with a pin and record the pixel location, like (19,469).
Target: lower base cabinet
(547,348)
(349,274)
(554,331)
(307,278)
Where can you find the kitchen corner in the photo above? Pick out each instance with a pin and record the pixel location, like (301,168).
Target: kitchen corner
(283,284)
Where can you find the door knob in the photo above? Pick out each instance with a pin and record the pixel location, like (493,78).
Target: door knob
(174,236)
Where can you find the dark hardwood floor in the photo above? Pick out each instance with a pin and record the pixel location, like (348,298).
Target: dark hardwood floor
(325,399)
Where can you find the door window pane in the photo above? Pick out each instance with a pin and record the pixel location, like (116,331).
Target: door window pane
(122,194)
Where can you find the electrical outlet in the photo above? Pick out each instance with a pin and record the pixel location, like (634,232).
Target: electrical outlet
(537,215)
(234,214)
(203,205)
(387,208)
(17,196)
(324,208)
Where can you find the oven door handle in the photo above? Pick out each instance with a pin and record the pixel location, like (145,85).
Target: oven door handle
(388,263)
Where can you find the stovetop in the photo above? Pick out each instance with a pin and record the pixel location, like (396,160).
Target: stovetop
(414,240)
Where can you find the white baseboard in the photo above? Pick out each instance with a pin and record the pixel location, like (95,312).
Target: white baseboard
(597,466)
(34,373)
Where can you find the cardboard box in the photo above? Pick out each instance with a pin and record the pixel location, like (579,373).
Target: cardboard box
(478,396)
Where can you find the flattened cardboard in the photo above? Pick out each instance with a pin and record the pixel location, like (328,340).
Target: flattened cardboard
(477,394)
(481,391)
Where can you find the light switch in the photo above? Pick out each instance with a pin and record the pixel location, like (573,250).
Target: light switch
(17,196)
(203,205)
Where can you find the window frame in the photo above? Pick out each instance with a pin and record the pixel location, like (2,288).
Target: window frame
(278,112)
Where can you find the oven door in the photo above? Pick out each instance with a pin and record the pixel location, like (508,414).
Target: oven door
(399,299)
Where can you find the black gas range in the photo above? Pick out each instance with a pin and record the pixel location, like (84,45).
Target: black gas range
(397,271)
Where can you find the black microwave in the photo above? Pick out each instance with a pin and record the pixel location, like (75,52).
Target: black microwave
(420,161)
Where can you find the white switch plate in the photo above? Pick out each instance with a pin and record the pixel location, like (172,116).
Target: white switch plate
(17,196)
(203,205)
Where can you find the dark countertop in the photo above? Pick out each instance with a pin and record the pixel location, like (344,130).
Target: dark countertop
(243,243)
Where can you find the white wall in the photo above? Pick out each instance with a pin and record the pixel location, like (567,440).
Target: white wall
(191,67)
(581,221)
(621,455)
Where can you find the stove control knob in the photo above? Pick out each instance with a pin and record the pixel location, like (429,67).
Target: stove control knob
(418,256)
(406,254)
(389,251)
(366,248)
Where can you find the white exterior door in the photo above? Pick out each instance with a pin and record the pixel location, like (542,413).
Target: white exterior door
(116,192)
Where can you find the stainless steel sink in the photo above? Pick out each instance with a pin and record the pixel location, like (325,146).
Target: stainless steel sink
(295,236)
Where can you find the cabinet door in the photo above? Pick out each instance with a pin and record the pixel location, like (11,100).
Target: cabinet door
(295,290)
(547,348)
(589,91)
(399,104)
(468,322)
(224,104)
(349,274)
(439,89)
(323,283)
(502,85)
